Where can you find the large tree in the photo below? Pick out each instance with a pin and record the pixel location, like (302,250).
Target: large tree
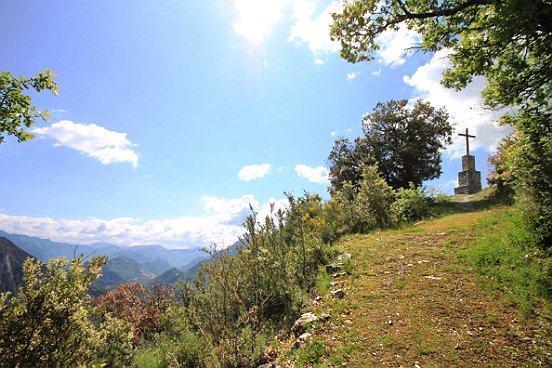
(508,42)
(17,113)
(405,142)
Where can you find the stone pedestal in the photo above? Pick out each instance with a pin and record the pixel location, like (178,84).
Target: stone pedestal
(469,180)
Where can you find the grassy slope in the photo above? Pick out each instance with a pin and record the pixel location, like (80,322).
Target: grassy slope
(414,299)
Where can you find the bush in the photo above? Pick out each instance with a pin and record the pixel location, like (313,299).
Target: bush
(411,204)
(51,322)
(137,305)
(366,206)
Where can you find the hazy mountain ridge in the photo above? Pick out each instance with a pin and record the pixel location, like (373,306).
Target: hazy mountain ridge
(126,263)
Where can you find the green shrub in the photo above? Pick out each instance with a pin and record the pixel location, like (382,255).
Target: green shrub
(236,302)
(411,204)
(52,322)
(366,206)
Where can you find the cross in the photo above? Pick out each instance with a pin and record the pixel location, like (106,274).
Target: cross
(467,141)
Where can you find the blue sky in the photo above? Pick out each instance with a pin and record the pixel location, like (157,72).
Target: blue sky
(173,116)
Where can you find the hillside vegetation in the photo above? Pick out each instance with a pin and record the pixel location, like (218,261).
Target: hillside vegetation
(460,291)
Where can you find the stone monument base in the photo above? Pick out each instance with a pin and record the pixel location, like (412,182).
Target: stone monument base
(469,180)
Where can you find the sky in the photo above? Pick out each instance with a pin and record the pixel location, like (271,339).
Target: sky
(174,117)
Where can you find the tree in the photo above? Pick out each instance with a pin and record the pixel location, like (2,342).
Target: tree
(51,322)
(16,110)
(404,142)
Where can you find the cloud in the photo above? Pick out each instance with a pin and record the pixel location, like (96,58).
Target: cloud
(95,141)
(221,223)
(319,61)
(333,133)
(313,174)
(250,172)
(376,72)
(465,107)
(351,76)
(395,46)
(312,30)
(256,18)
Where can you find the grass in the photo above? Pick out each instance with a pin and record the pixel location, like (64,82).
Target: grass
(508,262)
(462,290)
(311,353)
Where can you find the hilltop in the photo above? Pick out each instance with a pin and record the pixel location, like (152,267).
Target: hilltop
(422,297)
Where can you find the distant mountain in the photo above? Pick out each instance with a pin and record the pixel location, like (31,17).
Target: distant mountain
(171,277)
(121,270)
(11,265)
(155,258)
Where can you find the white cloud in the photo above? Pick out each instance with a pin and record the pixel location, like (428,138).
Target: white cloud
(465,107)
(313,174)
(314,30)
(221,223)
(106,146)
(334,133)
(256,18)
(351,76)
(376,72)
(319,61)
(395,46)
(250,172)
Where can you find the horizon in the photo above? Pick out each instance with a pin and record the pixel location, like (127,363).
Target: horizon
(173,119)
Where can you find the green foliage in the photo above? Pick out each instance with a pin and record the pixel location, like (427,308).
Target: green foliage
(311,353)
(237,302)
(532,160)
(411,204)
(508,42)
(507,259)
(346,160)
(16,110)
(502,173)
(366,207)
(177,346)
(51,322)
(374,200)
(405,143)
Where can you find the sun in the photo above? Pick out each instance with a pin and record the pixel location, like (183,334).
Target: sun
(256,18)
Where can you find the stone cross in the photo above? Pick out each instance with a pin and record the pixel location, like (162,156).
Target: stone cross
(467,141)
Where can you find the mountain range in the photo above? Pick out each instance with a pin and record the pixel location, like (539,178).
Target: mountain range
(147,264)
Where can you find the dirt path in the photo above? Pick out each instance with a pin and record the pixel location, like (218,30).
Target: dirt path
(411,303)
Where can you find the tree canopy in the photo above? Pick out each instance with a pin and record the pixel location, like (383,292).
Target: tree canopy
(16,110)
(403,141)
(509,42)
